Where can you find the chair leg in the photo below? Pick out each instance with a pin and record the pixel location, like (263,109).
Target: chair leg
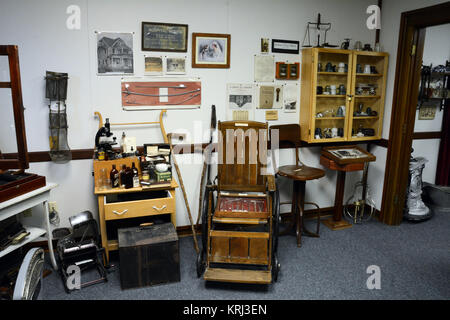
(309,233)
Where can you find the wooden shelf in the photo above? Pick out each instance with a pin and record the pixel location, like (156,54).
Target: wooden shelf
(330,118)
(367,97)
(369,75)
(330,95)
(164,186)
(333,73)
(366,117)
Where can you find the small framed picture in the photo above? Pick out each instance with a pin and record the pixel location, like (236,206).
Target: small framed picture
(264,45)
(211,50)
(153,65)
(176,65)
(285,46)
(168,37)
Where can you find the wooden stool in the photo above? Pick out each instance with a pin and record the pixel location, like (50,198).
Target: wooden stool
(299,175)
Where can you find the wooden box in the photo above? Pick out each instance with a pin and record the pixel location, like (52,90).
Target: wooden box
(148,256)
(12,186)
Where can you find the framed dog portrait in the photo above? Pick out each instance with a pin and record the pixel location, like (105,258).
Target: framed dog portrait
(211,50)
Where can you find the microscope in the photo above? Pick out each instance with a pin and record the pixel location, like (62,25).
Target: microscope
(103,147)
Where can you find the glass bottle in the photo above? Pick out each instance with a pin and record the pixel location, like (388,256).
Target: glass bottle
(114,176)
(136,183)
(128,178)
(123,176)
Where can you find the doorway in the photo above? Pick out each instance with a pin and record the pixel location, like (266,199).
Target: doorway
(411,45)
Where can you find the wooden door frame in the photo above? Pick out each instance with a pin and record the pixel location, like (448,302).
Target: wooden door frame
(404,102)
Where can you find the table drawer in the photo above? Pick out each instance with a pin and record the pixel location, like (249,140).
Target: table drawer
(140,208)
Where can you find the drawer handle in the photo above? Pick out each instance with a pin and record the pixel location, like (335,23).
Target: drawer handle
(159,209)
(120,213)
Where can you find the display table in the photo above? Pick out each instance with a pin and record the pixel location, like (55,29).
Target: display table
(26,201)
(342,166)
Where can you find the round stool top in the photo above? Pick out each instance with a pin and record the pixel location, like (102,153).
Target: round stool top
(302,173)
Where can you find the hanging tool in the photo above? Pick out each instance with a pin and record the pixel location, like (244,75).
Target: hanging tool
(180,180)
(320,26)
(206,163)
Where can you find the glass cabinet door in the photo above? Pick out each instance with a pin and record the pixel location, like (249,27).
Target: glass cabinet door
(332,78)
(368,90)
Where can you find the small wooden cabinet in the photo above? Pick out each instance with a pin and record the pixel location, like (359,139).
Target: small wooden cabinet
(356,114)
(116,204)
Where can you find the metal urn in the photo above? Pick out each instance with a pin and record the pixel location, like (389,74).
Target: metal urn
(415,209)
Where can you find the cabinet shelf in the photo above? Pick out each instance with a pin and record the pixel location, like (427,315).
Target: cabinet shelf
(368,97)
(369,75)
(330,95)
(366,117)
(330,118)
(332,73)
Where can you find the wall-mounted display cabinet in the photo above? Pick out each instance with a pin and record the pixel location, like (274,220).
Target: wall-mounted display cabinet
(342,94)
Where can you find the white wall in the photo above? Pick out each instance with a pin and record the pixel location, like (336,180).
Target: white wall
(38,28)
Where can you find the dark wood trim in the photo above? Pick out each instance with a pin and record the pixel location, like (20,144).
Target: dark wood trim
(84,154)
(407,77)
(427,135)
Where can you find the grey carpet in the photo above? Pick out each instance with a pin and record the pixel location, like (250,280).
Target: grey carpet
(414,259)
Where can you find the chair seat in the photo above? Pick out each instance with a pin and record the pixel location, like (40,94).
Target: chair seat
(302,173)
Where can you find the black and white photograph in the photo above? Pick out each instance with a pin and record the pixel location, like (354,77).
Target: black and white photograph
(176,65)
(115,53)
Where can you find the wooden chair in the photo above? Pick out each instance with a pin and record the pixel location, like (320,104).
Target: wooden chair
(241,229)
(299,174)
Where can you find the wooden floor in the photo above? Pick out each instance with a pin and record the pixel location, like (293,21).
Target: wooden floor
(238,276)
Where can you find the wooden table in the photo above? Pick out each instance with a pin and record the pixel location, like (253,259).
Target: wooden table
(342,167)
(26,201)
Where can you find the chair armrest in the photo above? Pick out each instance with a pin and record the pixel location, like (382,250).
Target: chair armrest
(271,185)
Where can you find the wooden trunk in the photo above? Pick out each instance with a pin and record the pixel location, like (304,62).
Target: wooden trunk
(148,256)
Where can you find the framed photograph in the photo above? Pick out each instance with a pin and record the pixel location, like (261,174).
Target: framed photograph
(115,53)
(240,101)
(427,112)
(211,50)
(265,45)
(168,37)
(176,65)
(285,46)
(153,65)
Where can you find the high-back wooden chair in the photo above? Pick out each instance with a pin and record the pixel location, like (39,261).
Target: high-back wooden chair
(289,135)
(240,227)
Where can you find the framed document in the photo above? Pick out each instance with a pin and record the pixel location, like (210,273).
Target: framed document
(168,37)
(285,46)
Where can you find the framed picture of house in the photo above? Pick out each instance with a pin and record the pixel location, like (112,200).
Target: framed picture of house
(211,50)
(168,37)
(115,53)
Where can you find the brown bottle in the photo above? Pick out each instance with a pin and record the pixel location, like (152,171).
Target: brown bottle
(123,176)
(128,178)
(114,177)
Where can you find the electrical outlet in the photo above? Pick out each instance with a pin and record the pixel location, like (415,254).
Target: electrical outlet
(52,206)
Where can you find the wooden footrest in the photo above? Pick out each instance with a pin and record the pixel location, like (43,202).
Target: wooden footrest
(240,220)
(238,276)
